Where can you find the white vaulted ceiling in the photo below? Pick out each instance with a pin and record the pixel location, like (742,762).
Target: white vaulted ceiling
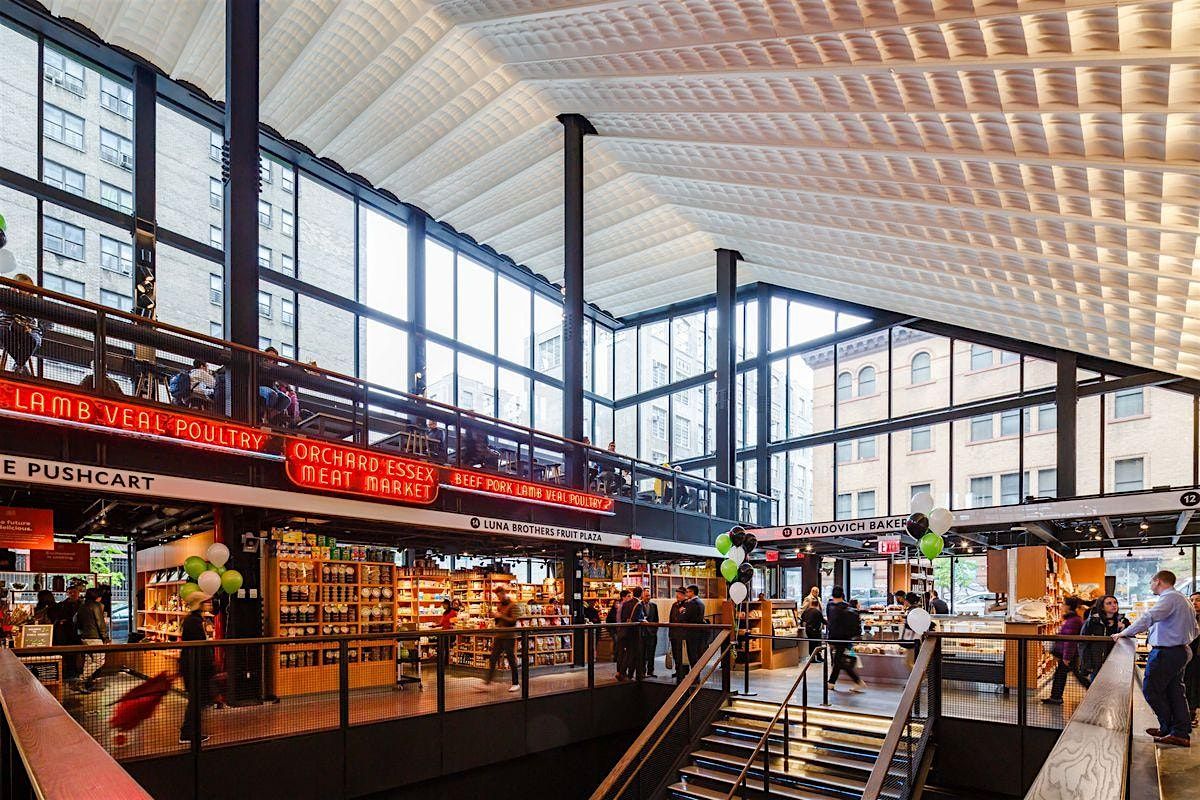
(1026,168)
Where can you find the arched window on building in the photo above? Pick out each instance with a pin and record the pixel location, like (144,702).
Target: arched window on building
(843,386)
(921,370)
(866,381)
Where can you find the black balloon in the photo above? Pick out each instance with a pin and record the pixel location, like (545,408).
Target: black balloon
(749,543)
(745,573)
(917,524)
(737,536)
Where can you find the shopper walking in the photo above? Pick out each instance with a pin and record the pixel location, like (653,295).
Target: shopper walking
(446,622)
(504,617)
(1191,676)
(92,626)
(1066,654)
(629,664)
(678,636)
(1172,626)
(696,637)
(1103,620)
(845,625)
(650,633)
(813,620)
(196,666)
(611,620)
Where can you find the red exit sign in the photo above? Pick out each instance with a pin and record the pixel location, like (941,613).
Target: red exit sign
(501,486)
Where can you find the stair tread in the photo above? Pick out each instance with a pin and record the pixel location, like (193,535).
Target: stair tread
(789,792)
(867,725)
(759,706)
(823,758)
(804,773)
(817,736)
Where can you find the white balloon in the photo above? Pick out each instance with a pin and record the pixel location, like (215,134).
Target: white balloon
(922,503)
(918,620)
(940,520)
(217,553)
(8,262)
(737,555)
(737,592)
(209,582)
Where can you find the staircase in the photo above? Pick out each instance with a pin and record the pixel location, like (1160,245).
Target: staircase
(832,762)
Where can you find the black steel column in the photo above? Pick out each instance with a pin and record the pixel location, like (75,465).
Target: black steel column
(575,127)
(145,214)
(1066,397)
(762,458)
(416,303)
(726,406)
(241,192)
(572,566)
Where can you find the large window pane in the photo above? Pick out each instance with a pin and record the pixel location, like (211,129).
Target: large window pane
(383,273)
(515,327)
(384,357)
(20,214)
(1147,429)
(982,454)
(476,305)
(514,397)
(547,327)
(626,434)
(1087,445)
(439,287)
(476,385)
(687,424)
(653,427)
(603,425)
(277,322)
(862,471)
(326,335)
(71,250)
(920,371)
(920,462)
(982,372)
(863,397)
(18,102)
(625,344)
(326,249)
(547,408)
(439,373)
(604,361)
(653,356)
(184,170)
(687,346)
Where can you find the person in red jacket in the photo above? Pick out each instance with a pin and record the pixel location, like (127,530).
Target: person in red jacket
(1067,653)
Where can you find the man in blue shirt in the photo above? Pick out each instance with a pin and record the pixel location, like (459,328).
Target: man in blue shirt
(1172,626)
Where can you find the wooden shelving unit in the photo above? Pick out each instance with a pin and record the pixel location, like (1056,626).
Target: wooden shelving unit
(337,606)
(912,576)
(663,584)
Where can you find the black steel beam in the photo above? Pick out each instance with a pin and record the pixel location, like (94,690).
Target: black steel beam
(726,359)
(145,246)
(417,383)
(241,191)
(575,127)
(1066,396)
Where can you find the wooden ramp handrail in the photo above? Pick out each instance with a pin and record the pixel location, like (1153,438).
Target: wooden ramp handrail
(62,761)
(1091,757)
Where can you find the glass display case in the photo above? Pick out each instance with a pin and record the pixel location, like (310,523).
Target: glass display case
(967,659)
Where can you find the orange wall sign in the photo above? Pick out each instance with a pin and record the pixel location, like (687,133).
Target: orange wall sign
(484,483)
(54,404)
(26,528)
(349,470)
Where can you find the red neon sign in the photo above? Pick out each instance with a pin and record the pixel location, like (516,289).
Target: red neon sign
(529,492)
(336,468)
(54,404)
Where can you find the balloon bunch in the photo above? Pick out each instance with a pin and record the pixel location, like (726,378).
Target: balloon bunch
(927,524)
(736,545)
(210,576)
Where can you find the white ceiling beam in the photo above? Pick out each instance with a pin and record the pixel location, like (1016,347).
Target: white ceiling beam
(1181,524)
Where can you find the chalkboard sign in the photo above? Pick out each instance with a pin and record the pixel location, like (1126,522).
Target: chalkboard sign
(36,636)
(47,669)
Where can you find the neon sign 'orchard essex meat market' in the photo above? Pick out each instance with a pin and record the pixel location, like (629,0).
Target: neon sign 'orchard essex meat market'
(335,468)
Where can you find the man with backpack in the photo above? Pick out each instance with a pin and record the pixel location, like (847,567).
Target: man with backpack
(844,626)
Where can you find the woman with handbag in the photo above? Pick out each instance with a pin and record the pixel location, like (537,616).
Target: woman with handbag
(1067,653)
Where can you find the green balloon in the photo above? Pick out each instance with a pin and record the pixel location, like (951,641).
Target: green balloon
(931,545)
(729,570)
(187,590)
(194,565)
(218,570)
(724,543)
(231,581)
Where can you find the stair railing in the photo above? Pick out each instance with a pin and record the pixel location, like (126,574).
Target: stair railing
(763,746)
(895,772)
(635,762)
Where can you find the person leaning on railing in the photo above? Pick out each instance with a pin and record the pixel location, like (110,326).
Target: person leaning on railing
(20,335)
(1172,626)
(1104,619)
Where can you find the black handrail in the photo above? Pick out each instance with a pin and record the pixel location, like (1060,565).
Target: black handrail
(784,711)
(679,702)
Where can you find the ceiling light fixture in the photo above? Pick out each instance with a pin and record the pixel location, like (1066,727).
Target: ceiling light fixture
(1129,554)
(1181,553)
(1145,524)
(1092,528)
